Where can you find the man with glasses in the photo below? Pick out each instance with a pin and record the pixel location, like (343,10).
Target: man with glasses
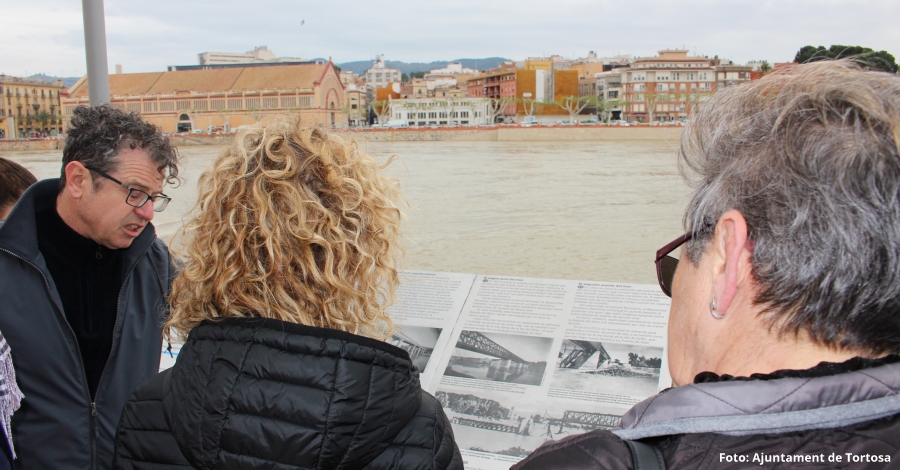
(84,281)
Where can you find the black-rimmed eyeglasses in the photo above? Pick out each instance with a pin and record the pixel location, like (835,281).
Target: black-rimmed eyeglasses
(136,197)
(666,265)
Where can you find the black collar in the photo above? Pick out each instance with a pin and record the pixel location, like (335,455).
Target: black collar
(821,370)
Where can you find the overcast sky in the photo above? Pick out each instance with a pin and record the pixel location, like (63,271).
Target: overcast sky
(47,35)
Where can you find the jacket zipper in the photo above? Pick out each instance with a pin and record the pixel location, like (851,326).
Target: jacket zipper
(112,348)
(94,427)
(78,354)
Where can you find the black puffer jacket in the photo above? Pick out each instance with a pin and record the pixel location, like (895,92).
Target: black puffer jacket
(259,393)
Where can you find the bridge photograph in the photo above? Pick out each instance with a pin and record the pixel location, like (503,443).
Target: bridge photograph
(512,424)
(607,368)
(417,341)
(500,357)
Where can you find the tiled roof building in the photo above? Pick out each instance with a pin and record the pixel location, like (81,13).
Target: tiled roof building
(221,98)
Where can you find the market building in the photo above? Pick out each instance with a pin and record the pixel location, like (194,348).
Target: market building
(221,98)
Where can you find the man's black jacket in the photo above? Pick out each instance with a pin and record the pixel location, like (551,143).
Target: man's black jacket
(265,394)
(59,425)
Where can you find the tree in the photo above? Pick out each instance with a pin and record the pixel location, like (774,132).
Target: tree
(382,110)
(257,113)
(225,115)
(574,105)
(527,105)
(764,68)
(650,100)
(864,56)
(497,107)
(43,118)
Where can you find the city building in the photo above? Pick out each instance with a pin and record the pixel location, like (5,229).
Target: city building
(30,107)
(258,55)
(729,75)
(450,92)
(357,106)
(442,112)
(454,74)
(379,75)
(609,88)
(415,88)
(592,65)
(531,89)
(666,87)
(223,98)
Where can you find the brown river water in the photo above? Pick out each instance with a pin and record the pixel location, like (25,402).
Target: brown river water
(588,210)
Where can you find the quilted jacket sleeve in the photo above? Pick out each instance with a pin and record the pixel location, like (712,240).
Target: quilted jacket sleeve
(144,440)
(425,443)
(595,449)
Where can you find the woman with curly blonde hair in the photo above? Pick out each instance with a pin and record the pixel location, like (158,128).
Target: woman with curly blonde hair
(291,261)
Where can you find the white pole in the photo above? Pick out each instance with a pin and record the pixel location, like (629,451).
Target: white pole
(95,50)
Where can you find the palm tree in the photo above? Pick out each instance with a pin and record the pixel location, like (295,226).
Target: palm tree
(764,68)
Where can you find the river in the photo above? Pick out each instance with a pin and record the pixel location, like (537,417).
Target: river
(595,210)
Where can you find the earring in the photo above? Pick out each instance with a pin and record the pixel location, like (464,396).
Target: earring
(712,310)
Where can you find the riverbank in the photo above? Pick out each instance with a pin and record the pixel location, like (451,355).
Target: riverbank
(478,134)
(10,145)
(484,134)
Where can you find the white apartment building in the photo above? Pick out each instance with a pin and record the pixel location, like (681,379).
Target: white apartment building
(379,76)
(439,112)
(259,54)
(667,87)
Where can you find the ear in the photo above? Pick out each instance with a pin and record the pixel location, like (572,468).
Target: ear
(78,180)
(732,258)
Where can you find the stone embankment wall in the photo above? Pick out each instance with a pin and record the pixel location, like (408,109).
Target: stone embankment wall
(523,134)
(42,144)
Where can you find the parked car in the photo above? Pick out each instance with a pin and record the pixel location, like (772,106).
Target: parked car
(620,123)
(396,124)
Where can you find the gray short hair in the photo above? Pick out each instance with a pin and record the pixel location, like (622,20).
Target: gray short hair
(810,156)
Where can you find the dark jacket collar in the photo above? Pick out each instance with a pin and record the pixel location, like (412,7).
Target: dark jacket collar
(17,235)
(741,407)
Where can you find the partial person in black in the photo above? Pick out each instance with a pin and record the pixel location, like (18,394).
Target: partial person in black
(290,263)
(784,329)
(84,282)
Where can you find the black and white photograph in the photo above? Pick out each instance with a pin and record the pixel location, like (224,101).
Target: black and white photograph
(500,357)
(417,341)
(611,368)
(494,425)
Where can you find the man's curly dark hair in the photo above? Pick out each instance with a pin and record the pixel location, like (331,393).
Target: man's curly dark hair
(96,135)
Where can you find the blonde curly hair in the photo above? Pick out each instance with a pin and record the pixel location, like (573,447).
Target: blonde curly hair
(294,223)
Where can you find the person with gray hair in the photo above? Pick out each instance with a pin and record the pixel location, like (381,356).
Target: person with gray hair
(784,327)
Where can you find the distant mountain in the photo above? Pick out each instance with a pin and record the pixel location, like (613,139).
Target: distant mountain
(360,66)
(67,81)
